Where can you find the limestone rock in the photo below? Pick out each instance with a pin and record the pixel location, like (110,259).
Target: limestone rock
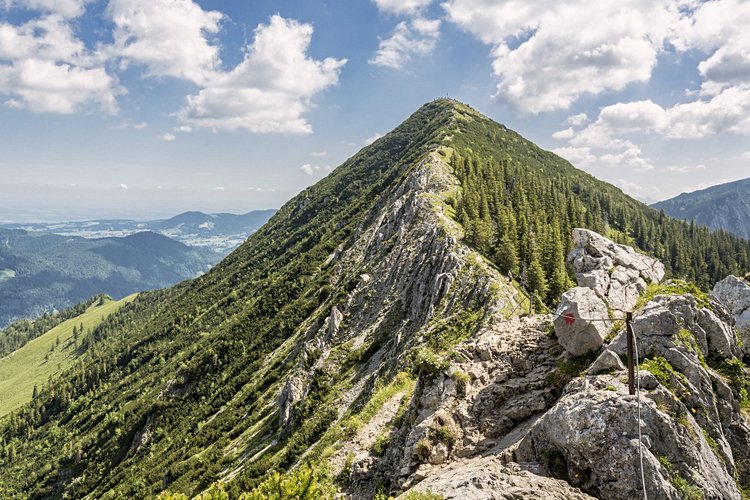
(617,273)
(607,361)
(574,331)
(734,294)
(487,478)
(591,437)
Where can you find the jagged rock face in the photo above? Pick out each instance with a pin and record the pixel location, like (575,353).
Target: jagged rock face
(488,478)
(617,273)
(734,294)
(404,266)
(496,386)
(581,321)
(691,421)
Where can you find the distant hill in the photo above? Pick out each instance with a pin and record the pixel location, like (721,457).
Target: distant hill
(221,233)
(726,206)
(41,272)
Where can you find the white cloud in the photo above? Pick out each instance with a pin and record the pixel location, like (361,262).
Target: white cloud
(578,120)
(123,186)
(372,138)
(45,68)
(564,134)
(140,125)
(579,157)
(168,37)
(646,194)
(167,137)
(319,154)
(727,112)
(417,37)
(631,158)
(271,89)
(549,53)
(219,188)
(309,169)
(401,6)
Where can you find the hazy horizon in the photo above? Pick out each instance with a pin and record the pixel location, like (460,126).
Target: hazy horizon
(115,108)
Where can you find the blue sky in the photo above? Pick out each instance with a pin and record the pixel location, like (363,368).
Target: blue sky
(144,108)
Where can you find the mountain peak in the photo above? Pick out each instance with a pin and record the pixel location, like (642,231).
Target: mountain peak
(381,323)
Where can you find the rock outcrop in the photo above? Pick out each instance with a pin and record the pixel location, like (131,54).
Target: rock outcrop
(611,278)
(617,273)
(694,437)
(581,321)
(734,294)
(486,478)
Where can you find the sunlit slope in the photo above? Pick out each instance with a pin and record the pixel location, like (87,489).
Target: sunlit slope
(48,355)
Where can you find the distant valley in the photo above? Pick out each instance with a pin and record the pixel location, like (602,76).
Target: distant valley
(220,233)
(726,206)
(42,272)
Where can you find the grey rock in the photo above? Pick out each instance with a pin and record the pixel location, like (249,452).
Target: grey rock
(487,478)
(575,332)
(734,294)
(617,273)
(607,361)
(592,434)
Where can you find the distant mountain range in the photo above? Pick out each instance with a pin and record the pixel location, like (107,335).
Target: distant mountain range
(40,272)
(221,233)
(726,206)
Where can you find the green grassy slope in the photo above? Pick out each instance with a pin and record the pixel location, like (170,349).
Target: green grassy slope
(47,356)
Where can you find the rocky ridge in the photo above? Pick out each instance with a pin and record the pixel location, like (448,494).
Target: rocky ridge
(504,417)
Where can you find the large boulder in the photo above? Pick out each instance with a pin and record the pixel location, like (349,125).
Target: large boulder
(617,273)
(581,321)
(590,438)
(734,294)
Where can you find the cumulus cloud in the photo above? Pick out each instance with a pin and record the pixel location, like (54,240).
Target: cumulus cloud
(578,119)
(167,137)
(270,89)
(580,157)
(727,112)
(309,169)
(168,37)
(549,53)
(564,134)
(417,37)
(401,6)
(319,154)
(45,68)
